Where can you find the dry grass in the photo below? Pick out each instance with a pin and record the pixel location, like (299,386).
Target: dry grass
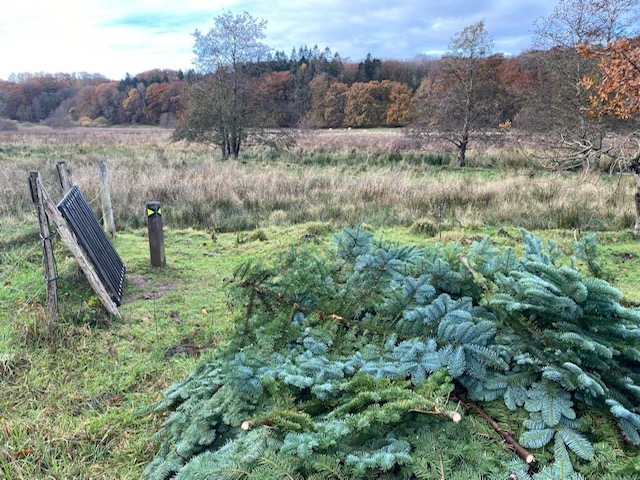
(358,184)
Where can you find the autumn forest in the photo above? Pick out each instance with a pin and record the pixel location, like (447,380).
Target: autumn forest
(308,87)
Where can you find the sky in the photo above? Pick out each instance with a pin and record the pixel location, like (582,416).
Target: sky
(115,37)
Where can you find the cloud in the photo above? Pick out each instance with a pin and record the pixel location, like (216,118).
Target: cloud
(158,22)
(118,36)
(401,30)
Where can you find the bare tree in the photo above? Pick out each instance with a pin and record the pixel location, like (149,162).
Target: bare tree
(561,107)
(219,110)
(456,100)
(616,93)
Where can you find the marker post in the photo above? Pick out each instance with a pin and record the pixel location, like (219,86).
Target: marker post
(156,236)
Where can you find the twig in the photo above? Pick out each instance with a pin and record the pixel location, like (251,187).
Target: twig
(478,277)
(268,293)
(522,452)
(282,299)
(450,414)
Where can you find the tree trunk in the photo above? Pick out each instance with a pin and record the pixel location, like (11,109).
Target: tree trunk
(636,228)
(224,143)
(235,143)
(462,151)
(464,141)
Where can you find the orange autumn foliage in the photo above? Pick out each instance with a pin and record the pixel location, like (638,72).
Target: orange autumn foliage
(617,92)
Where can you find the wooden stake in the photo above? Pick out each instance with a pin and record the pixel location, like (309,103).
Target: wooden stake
(64,176)
(105,199)
(72,243)
(156,235)
(50,269)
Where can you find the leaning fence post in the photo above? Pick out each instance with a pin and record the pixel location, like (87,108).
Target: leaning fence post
(50,270)
(64,176)
(105,199)
(156,236)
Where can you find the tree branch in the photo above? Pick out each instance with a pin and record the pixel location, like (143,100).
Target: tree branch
(454,416)
(522,452)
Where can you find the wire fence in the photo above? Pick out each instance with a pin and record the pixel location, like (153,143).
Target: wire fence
(97,206)
(11,315)
(20,287)
(14,305)
(6,271)
(97,197)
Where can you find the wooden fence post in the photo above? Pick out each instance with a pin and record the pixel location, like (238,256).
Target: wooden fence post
(105,199)
(50,269)
(156,235)
(64,176)
(65,180)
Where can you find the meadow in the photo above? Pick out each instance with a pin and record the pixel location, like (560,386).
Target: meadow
(71,399)
(380,177)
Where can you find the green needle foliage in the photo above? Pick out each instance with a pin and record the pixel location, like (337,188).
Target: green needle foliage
(352,364)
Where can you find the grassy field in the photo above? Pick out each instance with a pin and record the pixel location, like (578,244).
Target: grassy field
(381,177)
(71,399)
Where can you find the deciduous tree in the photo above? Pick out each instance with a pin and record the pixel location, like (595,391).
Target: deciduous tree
(219,109)
(365,105)
(559,108)
(134,105)
(617,93)
(154,101)
(274,91)
(457,101)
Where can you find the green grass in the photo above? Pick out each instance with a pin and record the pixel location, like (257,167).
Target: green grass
(70,398)
(70,401)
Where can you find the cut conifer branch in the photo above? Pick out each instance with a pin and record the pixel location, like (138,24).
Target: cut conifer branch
(522,452)
(452,415)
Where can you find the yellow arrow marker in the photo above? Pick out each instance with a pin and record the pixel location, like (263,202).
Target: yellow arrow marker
(150,212)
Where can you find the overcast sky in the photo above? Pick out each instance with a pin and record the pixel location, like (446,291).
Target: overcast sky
(113,37)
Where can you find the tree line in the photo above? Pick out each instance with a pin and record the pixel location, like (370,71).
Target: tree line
(309,87)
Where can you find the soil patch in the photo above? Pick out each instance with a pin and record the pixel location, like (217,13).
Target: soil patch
(147,289)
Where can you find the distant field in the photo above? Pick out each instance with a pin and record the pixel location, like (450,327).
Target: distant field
(380,177)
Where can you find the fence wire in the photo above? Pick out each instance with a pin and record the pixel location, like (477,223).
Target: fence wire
(96,198)
(11,319)
(97,209)
(9,287)
(14,265)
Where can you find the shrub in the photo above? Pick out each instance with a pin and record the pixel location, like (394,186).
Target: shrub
(99,122)
(423,226)
(85,122)
(7,125)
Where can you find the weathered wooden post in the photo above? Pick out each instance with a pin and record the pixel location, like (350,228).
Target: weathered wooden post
(156,236)
(105,199)
(64,176)
(50,269)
